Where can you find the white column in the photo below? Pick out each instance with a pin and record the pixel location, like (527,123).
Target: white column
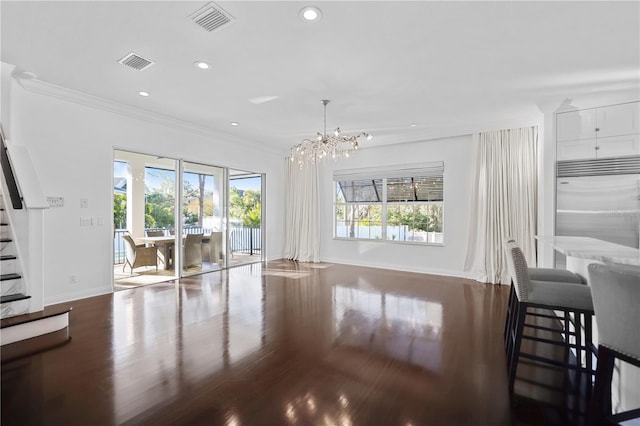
(135,196)
(547,180)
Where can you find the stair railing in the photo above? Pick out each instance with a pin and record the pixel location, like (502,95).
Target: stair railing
(7,170)
(21,184)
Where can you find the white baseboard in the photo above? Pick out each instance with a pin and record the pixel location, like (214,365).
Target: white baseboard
(68,297)
(404,268)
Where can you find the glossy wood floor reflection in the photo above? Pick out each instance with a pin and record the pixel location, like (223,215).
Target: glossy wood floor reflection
(276,344)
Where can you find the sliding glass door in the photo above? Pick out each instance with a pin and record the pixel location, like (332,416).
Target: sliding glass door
(144,205)
(245,217)
(175,218)
(203,218)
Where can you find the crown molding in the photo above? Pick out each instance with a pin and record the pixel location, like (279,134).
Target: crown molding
(30,83)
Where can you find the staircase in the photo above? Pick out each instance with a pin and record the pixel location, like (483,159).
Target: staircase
(13,297)
(25,327)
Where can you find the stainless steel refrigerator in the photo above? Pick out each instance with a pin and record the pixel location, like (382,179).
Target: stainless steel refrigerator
(599,199)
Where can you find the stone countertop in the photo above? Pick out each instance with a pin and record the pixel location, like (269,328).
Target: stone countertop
(591,248)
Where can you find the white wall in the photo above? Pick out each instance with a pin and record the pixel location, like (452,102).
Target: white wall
(71,138)
(445,260)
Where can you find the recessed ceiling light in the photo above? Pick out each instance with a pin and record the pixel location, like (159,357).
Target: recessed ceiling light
(143,94)
(310,14)
(234,123)
(414,125)
(202,65)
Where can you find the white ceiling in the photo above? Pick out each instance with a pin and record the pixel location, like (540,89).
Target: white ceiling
(445,66)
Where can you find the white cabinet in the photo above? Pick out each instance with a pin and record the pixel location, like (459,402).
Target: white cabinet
(618,146)
(602,132)
(576,149)
(618,120)
(576,125)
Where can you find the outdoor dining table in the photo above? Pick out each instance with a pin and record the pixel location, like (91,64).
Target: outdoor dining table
(165,244)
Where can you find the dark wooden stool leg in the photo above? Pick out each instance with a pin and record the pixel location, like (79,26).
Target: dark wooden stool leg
(577,329)
(512,332)
(566,327)
(509,321)
(588,343)
(601,399)
(515,351)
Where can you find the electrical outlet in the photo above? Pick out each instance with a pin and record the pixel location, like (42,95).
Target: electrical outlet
(84,203)
(73,279)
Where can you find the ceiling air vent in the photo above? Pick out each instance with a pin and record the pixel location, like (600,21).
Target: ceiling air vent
(211,17)
(135,61)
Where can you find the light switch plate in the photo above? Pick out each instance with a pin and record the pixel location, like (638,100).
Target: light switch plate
(55,201)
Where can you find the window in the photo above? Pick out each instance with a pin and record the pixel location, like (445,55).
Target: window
(395,204)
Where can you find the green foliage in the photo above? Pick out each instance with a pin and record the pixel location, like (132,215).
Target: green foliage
(246,206)
(420,217)
(159,206)
(425,217)
(119,211)
(198,203)
(190,218)
(149,219)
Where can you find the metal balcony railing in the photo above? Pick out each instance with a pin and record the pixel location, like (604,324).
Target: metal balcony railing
(242,239)
(245,239)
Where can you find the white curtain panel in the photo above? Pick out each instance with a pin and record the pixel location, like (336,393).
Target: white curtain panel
(503,202)
(302,220)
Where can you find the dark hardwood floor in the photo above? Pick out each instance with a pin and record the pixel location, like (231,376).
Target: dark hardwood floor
(282,343)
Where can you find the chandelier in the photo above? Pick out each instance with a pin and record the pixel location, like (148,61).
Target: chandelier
(335,146)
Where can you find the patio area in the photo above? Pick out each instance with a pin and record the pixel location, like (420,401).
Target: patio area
(148,275)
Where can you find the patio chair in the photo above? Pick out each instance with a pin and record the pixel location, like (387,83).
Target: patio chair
(139,255)
(165,256)
(193,250)
(212,249)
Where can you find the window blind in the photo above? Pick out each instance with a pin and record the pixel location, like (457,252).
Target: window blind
(433,168)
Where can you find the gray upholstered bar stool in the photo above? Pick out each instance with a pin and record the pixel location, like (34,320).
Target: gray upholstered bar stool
(536,274)
(616,298)
(574,300)
(551,274)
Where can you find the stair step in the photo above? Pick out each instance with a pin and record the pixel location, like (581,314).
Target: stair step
(13,297)
(47,312)
(7,257)
(12,276)
(28,334)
